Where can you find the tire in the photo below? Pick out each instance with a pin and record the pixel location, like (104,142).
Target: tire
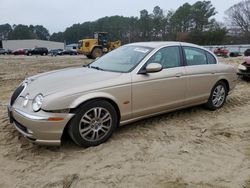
(97,52)
(94,118)
(247,52)
(216,101)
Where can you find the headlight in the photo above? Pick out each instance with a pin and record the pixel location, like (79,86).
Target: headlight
(37,102)
(242,67)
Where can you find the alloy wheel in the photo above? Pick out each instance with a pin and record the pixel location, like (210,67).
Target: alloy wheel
(219,96)
(95,124)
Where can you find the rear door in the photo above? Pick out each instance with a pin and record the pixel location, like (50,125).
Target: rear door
(160,91)
(200,71)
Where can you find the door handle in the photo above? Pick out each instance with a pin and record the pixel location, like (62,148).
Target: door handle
(178,75)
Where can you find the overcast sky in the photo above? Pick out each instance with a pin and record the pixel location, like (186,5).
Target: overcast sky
(56,15)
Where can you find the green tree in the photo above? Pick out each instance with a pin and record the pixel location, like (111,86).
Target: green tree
(72,34)
(181,20)
(21,32)
(211,37)
(59,37)
(158,23)
(5,30)
(202,11)
(40,32)
(144,24)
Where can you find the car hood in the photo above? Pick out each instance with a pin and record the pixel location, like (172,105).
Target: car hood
(73,79)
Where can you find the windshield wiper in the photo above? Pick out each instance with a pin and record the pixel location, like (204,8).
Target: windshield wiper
(95,67)
(86,65)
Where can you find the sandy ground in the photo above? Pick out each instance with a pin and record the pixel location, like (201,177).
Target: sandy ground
(188,148)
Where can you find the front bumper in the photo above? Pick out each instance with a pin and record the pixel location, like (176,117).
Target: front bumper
(245,74)
(44,129)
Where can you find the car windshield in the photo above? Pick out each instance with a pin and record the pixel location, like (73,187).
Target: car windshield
(123,59)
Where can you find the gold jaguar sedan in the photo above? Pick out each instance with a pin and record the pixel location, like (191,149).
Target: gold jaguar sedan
(133,82)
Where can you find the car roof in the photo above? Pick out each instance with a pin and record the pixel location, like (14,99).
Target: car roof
(158,44)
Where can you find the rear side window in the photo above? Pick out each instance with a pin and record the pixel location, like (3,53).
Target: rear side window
(210,58)
(195,56)
(168,57)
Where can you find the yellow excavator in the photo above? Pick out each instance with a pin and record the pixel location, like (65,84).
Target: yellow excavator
(97,46)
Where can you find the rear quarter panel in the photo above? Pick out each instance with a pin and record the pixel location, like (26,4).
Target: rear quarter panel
(202,78)
(229,73)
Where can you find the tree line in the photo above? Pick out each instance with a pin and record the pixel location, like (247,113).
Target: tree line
(23,32)
(190,23)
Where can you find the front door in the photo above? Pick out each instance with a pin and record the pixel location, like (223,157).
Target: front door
(160,91)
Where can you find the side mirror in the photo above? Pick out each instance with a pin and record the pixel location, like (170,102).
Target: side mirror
(153,67)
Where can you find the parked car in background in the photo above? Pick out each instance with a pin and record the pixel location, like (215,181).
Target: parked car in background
(244,69)
(9,51)
(5,51)
(38,51)
(56,52)
(69,52)
(234,54)
(221,52)
(247,52)
(20,51)
(132,82)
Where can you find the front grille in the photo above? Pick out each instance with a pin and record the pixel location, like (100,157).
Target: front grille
(16,93)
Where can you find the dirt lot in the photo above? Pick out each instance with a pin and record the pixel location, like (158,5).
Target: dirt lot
(189,148)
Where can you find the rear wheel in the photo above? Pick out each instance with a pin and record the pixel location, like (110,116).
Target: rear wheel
(218,96)
(93,124)
(97,52)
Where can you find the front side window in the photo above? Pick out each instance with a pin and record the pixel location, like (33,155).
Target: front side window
(168,57)
(195,56)
(80,44)
(123,59)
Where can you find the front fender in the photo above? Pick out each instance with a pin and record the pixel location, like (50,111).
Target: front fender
(58,101)
(83,98)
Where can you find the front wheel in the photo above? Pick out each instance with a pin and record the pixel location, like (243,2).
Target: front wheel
(218,96)
(93,124)
(97,52)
